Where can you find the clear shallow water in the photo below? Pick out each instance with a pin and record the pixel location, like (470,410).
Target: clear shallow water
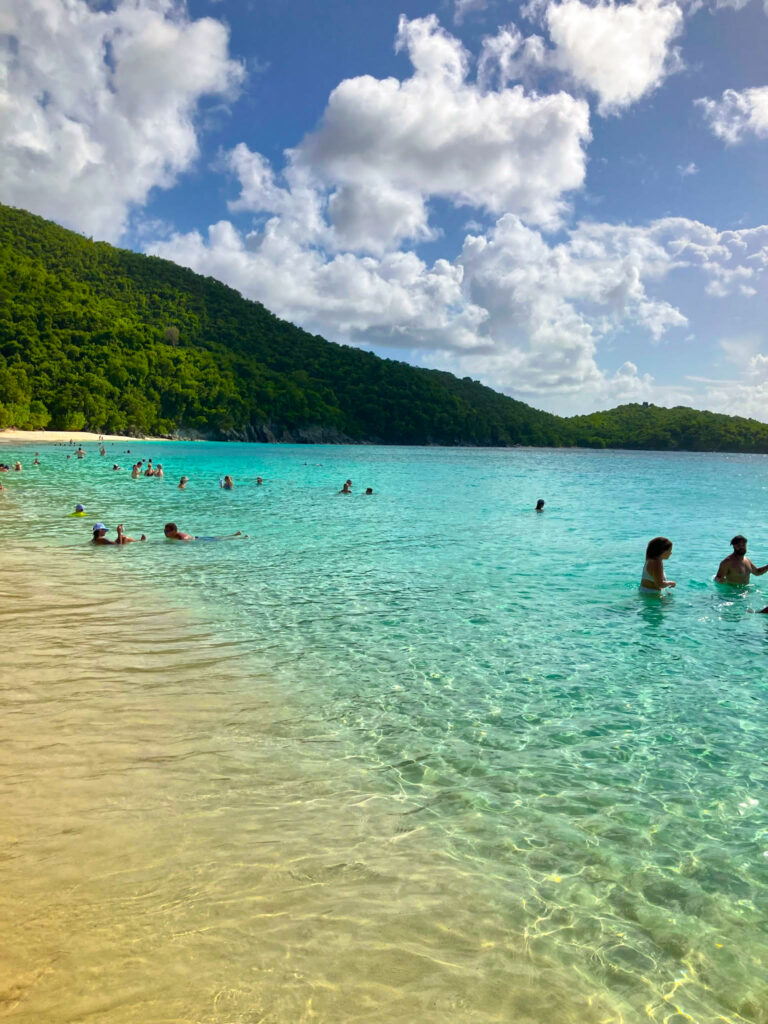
(422,755)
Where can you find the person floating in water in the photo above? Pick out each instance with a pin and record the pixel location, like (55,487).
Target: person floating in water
(100,532)
(115,466)
(737,568)
(540,505)
(172,532)
(228,484)
(657,552)
(79,510)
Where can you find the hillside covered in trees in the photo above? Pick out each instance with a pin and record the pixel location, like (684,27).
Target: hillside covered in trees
(99,338)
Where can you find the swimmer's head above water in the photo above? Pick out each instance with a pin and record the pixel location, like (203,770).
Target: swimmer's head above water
(540,505)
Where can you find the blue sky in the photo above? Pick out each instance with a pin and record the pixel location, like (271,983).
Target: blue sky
(564,199)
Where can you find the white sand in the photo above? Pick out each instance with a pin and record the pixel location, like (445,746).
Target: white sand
(43,436)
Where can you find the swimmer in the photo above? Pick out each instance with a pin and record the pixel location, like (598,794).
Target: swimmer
(540,505)
(228,484)
(100,534)
(102,450)
(737,568)
(135,472)
(17,466)
(657,552)
(369,490)
(172,532)
(345,489)
(79,511)
(149,471)
(80,453)
(259,481)
(159,471)
(37,460)
(4,467)
(115,466)
(183,483)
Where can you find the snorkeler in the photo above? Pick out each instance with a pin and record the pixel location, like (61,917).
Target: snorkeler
(737,568)
(653,579)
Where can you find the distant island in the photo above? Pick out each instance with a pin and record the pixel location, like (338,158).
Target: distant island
(98,338)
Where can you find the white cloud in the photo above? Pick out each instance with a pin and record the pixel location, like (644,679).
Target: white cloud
(620,51)
(97,106)
(686,170)
(438,134)
(463,7)
(737,114)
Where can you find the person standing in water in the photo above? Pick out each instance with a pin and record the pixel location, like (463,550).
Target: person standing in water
(183,483)
(228,484)
(737,568)
(540,505)
(656,554)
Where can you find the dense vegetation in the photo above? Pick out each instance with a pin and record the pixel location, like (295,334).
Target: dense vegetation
(94,337)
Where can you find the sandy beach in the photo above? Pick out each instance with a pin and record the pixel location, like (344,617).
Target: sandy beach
(53,436)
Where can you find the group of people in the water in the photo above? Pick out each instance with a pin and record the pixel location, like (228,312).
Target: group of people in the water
(735,569)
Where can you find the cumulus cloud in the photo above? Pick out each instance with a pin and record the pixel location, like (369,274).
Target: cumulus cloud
(686,170)
(97,107)
(620,51)
(737,114)
(439,134)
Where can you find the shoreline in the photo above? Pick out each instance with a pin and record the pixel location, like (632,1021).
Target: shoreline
(10,436)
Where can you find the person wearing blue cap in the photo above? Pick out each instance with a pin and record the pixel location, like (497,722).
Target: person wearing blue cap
(100,531)
(79,510)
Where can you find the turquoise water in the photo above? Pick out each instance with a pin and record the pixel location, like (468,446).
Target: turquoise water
(583,767)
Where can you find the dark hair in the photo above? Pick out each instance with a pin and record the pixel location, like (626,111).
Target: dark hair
(657,547)
(171,526)
(737,540)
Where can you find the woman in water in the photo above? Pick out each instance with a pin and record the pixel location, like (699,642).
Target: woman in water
(227,483)
(656,554)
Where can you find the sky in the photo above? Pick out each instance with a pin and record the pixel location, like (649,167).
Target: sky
(565,200)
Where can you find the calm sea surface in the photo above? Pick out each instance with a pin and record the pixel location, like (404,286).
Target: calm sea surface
(417,756)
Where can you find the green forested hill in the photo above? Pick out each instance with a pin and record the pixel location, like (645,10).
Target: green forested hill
(94,337)
(106,339)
